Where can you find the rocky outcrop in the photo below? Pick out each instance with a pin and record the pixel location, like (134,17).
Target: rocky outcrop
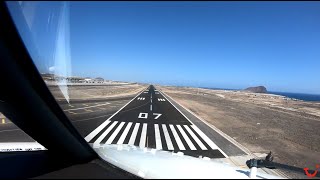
(258,89)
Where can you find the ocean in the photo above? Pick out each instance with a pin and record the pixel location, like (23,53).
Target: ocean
(301,96)
(305,97)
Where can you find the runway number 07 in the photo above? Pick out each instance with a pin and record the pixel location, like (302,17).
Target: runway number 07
(145,115)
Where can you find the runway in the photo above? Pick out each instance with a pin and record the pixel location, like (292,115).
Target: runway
(150,120)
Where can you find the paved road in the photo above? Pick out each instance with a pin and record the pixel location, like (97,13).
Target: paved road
(84,114)
(150,119)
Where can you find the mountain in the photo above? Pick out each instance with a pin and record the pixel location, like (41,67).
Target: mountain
(258,89)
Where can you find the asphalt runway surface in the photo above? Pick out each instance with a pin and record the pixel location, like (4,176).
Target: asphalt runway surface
(148,120)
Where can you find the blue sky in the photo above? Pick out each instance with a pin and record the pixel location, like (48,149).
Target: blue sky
(208,44)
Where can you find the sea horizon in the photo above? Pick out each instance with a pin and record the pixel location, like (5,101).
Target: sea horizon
(300,96)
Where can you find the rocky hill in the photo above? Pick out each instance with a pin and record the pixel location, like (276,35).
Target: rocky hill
(258,89)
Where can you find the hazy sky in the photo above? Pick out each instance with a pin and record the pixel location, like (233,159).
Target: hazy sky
(212,44)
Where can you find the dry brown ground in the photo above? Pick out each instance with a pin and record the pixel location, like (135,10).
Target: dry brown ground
(260,122)
(97,92)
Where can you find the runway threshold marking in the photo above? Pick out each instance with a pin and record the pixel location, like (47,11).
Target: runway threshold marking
(167,137)
(208,139)
(134,134)
(104,124)
(125,133)
(158,137)
(204,137)
(104,134)
(182,140)
(190,144)
(143,135)
(202,146)
(115,133)
(177,138)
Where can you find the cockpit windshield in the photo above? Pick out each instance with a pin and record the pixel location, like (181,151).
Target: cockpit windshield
(219,81)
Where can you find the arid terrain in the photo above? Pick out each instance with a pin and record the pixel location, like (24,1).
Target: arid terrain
(260,122)
(98,91)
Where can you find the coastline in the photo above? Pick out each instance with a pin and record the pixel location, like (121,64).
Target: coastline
(295,96)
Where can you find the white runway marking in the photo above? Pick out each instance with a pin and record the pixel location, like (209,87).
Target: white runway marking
(143,116)
(134,134)
(202,146)
(204,137)
(124,134)
(71,112)
(158,137)
(115,133)
(143,135)
(182,141)
(160,99)
(104,134)
(96,131)
(150,107)
(157,115)
(185,136)
(177,138)
(167,137)
(87,107)
(99,128)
